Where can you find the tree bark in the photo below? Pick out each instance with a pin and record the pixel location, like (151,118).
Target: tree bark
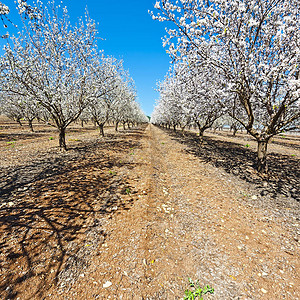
(101,128)
(62,138)
(201,133)
(262,156)
(30,125)
(19,121)
(234,131)
(116,126)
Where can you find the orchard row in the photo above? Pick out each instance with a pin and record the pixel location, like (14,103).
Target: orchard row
(235,62)
(53,71)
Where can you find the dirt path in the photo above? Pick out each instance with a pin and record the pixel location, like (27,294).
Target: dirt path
(132,216)
(189,219)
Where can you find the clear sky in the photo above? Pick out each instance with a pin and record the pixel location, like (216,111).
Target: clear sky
(130,34)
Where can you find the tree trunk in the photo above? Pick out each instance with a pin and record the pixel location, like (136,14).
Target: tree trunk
(30,125)
(101,127)
(62,138)
(201,133)
(116,126)
(82,123)
(19,121)
(234,131)
(174,128)
(262,156)
(124,126)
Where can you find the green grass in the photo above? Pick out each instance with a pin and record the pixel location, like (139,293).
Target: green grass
(11,144)
(245,194)
(197,292)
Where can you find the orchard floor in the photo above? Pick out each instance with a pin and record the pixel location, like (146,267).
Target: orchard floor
(133,215)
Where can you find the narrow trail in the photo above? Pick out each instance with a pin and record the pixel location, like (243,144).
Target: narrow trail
(188,219)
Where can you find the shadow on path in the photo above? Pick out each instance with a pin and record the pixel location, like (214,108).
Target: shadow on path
(52,210)
(284,171)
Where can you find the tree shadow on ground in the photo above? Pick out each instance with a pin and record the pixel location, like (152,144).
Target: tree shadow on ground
(295,140)
(283,176)
(289,145)
(134,131)
(11,137)
(82,129)
(52,210)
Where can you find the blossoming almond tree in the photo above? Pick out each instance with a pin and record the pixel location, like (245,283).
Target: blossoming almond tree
(19,107)
(9,108)
(205,95)
(255,46)
(104,89)
(191,94)
(124,101)
(137,115)
(52,62)
(173,99)
(23,8)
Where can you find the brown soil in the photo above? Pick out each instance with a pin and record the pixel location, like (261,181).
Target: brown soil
(134,214)
(230,153)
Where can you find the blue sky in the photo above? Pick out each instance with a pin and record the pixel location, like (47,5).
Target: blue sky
(130,34)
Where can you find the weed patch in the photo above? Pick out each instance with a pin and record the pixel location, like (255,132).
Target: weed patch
(196,291)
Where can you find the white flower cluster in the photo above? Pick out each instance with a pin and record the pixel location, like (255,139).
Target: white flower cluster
(157,5)
(189,96)
(4,9)
(22,6)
